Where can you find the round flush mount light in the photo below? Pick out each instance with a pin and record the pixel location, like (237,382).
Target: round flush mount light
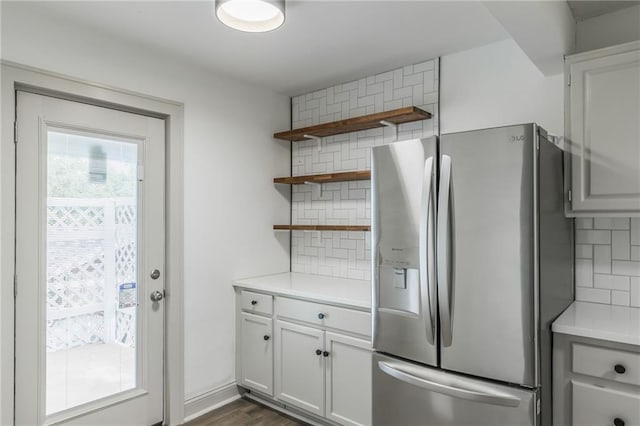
(252,16)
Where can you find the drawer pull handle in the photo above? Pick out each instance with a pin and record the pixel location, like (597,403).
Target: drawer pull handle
(266,337)
(618,421)
(321,315)
(620,369)
(318,352)
(325,354)
(254,302)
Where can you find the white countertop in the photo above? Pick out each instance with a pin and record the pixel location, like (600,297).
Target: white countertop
(320,288)
(598,321)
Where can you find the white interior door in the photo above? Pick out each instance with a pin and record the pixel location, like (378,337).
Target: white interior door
(89,233)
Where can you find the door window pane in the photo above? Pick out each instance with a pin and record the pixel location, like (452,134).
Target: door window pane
(91,298)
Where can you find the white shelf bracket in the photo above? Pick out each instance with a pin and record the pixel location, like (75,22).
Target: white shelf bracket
(393,126)
(315,138)
(316,185)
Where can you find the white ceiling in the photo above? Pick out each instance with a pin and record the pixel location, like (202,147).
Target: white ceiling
(322,43)
(585,9)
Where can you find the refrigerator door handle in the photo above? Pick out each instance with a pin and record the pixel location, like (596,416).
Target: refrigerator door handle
(456,387)
(427,251)
(444,248)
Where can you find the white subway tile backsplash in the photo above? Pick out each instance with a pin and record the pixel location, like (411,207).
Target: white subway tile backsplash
(621,223)
(584,223)
(584,251)
(348,254)
(584,273)
(611,223)
(620,298)
(602,259)
(634,294)
(611,282)
(623,267)
(595,295)
(584,236)
(607,243)
(620,246)
(602,223)
(635,231)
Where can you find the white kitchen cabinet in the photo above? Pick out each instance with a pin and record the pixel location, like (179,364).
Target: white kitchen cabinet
(595,382)
(325,373)
(594,405)
(312,357)
(257,352)
(300,366)
(348,379)
(602,131)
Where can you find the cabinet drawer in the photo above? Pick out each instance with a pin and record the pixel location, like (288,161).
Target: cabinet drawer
(603,363)
(257,303)
(601,406)
(325,315)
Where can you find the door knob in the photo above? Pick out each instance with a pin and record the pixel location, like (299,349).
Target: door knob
(318,352)
(325,354)
(266,337)
(157,296)
(619,368)
(155,274)
(321,315)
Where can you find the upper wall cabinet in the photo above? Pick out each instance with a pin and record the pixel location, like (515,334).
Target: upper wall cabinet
(602,130)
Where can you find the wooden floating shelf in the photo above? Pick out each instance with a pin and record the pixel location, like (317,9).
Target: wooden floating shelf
(322,227)
(325,178)
(364,122)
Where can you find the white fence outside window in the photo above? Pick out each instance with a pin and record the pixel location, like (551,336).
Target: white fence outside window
(91,251)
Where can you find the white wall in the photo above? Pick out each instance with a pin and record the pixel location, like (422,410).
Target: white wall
(497,85)
(230,161)
(618,27)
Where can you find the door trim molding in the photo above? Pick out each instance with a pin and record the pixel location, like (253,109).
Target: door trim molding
(16,76)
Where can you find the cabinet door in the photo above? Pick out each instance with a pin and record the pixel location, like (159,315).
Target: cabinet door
(604,133)
(257,353)
(596,405)
(348,374)
(300,366)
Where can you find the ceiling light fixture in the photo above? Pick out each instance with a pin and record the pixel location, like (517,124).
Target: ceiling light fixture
(254,16)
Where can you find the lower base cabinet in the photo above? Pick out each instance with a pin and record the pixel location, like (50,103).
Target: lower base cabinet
(325,373)
(300,366)
(312,357)
(594,405)
(595,382)
(348,379)
(257,352)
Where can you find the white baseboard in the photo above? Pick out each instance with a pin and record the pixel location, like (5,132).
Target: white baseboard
(201,404)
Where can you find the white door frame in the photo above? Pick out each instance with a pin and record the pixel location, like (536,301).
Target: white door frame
(15,76)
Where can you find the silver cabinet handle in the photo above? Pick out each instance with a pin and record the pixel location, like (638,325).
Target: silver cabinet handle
(455,387)
(156,296)
(444,248)
(426,251)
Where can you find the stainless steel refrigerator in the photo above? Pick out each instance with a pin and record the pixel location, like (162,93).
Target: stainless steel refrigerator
(472,260)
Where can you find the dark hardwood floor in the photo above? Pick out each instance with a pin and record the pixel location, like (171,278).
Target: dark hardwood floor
(244,412)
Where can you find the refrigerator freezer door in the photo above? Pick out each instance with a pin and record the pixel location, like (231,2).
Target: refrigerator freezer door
(488,242)
(403,249)
(407,394)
